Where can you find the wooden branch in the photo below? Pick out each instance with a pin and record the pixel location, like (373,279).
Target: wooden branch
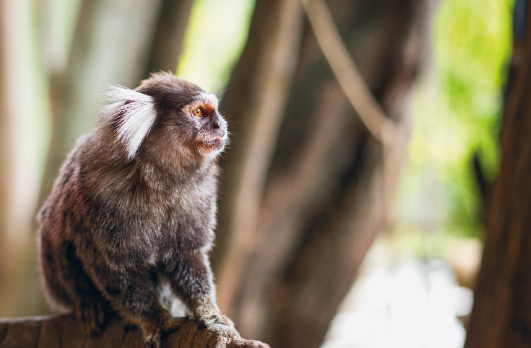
(392,135)
(348,75)
(63,331)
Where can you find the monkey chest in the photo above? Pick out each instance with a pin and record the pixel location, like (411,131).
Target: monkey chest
(188,225)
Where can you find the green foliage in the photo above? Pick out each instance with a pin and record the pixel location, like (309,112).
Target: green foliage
(457,113)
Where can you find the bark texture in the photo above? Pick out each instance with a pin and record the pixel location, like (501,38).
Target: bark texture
(319,198)
(501,316)
(63,331)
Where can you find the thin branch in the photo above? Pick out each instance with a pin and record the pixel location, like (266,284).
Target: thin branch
(347,74)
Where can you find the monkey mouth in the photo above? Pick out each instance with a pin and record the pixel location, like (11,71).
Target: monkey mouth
(211,145)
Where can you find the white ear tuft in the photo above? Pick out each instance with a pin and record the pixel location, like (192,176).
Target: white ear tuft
(134,114)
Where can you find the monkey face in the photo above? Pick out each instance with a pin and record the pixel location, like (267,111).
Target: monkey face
(190,125)
(166,118)
(187,127)
(211,127)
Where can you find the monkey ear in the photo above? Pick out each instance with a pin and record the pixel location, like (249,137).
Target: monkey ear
(132,113)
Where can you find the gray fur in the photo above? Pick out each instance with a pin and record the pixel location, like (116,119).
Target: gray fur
(125,214)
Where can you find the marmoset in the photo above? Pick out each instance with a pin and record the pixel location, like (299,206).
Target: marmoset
(132,211)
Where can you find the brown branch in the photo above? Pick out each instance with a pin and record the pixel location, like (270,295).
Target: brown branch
(392,135)
(63,331)
(348,75)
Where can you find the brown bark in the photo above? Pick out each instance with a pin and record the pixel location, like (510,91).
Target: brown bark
(324,197)
(63,331)
(501,316)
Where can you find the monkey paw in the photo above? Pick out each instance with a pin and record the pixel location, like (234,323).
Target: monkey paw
(91,318)
(209,319)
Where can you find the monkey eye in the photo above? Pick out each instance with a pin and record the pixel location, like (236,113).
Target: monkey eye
(197,112)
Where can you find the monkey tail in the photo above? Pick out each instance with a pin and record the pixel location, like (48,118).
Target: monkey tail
(55,292)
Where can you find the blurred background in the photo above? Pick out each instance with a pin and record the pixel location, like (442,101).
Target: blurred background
(326,236)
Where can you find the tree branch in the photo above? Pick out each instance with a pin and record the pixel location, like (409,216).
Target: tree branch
(63,331)
(348,75)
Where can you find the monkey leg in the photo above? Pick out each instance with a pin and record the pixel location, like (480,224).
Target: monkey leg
(90,308)
(193,283)
(131,292)
(68,287)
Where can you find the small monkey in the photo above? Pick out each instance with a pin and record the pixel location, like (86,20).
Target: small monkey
(129,223)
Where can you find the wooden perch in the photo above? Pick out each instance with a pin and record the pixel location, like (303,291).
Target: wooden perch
(63,331)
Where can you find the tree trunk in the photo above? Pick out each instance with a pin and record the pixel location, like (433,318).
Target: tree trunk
(309,224)
(501,316)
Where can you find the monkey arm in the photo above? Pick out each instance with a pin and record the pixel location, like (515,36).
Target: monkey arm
(193,283)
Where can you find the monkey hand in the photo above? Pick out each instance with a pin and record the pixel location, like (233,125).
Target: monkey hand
(215,317)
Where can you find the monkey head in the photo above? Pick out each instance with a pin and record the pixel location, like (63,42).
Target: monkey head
(166,118)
